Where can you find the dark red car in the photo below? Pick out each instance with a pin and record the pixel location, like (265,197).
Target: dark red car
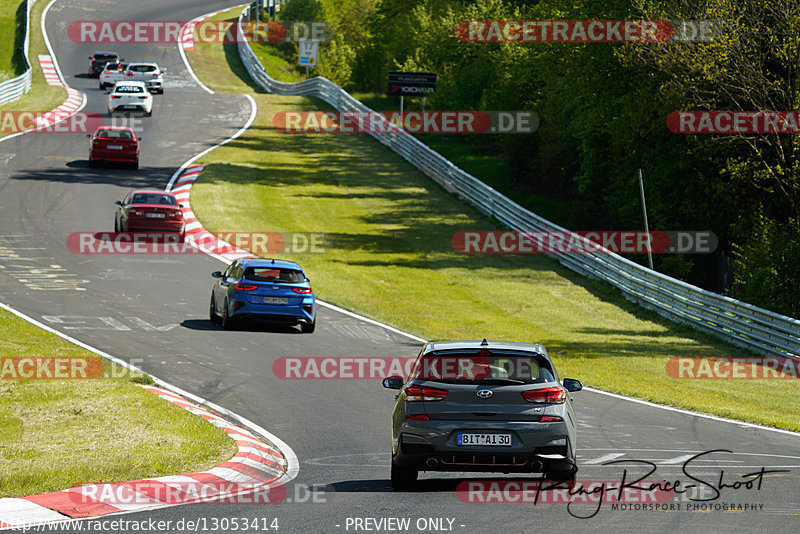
(149,210)
(117,144)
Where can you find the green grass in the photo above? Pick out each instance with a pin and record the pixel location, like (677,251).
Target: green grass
(41,97)
(389,256)
(58,433)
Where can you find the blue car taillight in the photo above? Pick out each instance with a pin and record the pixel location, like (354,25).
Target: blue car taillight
(303,290)
(246,287)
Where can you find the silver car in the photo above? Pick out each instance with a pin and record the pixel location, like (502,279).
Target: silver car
(483,406)
(112,73)
(149,73)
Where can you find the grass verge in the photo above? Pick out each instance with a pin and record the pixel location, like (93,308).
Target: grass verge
(389,256)
(59,433)
(41,97)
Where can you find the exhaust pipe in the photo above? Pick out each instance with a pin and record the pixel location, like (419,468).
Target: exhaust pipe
(536,465)
(431,462)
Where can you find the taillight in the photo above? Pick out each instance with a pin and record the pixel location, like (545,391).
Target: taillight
(551,419)
(418,417)
(128,74)
(136,212)
(115,96)
(419,393)
(303,290)
(246,287)
(553,395)
(175,214)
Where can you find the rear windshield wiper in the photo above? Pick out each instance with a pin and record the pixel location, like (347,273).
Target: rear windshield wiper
(500,380)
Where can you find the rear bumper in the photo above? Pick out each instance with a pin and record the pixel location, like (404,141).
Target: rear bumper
(294,314)
(161,226)
(137,107)
(535,447)
(108,155)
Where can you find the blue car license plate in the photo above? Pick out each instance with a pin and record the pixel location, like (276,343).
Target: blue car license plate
(276,300)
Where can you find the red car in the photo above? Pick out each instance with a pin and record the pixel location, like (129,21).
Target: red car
(149,210)
(117,144)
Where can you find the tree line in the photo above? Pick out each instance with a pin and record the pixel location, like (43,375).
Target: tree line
(603,110)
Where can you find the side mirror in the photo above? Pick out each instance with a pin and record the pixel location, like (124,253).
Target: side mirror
(181,206)
(118,203)
(216,274)
(393,382)
(89,136)
(90,58)
(572,385)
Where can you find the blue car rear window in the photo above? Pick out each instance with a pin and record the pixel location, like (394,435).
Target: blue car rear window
(273,274)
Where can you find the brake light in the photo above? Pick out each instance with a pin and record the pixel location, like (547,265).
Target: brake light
(553,395)
(115,96)
(128,74)
(246,287)
(418,417)
(303,290)
(551,419)
(176,214)
(419,393)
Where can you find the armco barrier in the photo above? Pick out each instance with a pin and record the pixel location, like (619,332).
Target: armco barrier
(16,87)
(741,324)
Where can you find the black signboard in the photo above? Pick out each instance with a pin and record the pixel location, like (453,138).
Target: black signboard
(412,83)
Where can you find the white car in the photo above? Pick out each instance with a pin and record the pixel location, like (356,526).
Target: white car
(149,73)
(112,73)
(130,96)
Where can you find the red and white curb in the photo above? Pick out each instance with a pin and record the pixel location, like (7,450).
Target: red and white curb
(49,70)
(195,233)
(187,32)
(256,466)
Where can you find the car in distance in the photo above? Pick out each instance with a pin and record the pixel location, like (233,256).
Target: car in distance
(270,290)
(112,73)
(117,144)
(99,60)
(494,406)
(150,211)
(149,73)
(132,96)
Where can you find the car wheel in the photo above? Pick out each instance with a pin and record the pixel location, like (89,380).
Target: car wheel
(135,164)
(227,320)
(212,310)
(308,328)
(116,225)
(403,478)
(92,163)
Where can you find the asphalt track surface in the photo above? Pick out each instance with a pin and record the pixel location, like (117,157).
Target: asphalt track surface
(152,311)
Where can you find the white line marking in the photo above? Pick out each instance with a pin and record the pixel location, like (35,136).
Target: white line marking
(605,458)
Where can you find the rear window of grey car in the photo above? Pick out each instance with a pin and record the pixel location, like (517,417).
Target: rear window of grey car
(142,68)
(475,368)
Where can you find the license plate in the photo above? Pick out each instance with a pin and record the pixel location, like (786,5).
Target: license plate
(130,107)
(155,215)
(276,300)
(490,440)
(114,147)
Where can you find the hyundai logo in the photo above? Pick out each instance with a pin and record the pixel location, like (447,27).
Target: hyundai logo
(485,393)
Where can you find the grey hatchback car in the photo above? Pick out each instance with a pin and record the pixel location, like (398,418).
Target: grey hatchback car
(494,406)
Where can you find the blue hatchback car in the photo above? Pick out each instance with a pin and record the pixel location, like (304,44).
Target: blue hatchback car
(263,289)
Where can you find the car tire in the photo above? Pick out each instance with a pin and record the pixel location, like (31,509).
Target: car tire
(102,86)
(308,328)
(135,164)
(116,225)
(212,313)
(92,163)
(227,320)
(149,113)
(403,478)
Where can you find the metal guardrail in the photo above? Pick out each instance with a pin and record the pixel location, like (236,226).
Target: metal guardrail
(16,87)
(739,323)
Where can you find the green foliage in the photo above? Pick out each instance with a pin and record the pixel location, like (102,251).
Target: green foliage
(767,268)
